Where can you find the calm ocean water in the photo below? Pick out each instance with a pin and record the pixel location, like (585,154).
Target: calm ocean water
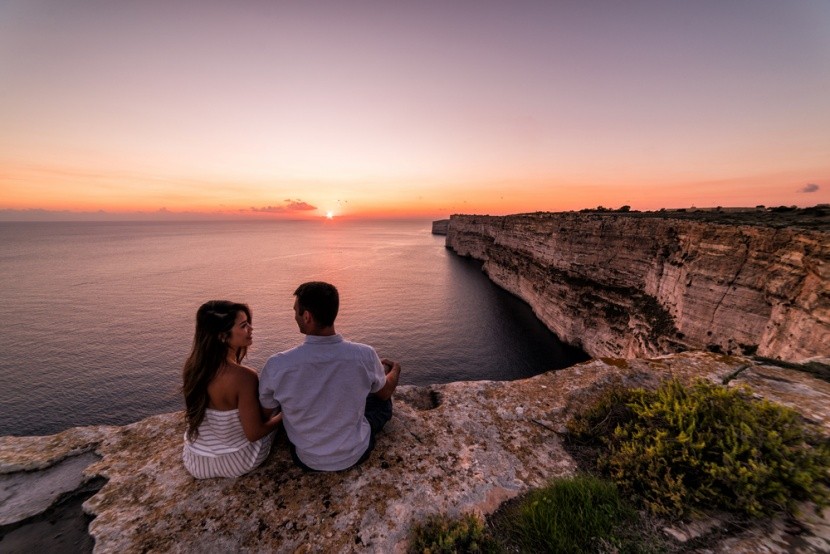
(98,317)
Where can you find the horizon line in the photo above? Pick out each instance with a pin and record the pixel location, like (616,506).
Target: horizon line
(42,215)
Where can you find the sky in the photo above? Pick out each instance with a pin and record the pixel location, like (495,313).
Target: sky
(268,109)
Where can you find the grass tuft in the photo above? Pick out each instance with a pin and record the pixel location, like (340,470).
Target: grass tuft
(442,535)
(575,514)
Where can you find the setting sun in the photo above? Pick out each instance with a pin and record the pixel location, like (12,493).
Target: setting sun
(329,215)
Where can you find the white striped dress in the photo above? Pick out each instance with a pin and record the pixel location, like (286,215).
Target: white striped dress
(222,449)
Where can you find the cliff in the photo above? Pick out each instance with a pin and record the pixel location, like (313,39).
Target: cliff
(448,449)
(635,285)
(440,227)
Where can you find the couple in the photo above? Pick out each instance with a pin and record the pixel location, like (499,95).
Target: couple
(331,395)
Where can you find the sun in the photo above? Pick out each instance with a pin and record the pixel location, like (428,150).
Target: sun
(329,215)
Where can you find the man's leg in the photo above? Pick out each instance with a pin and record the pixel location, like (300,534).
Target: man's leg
(377,412)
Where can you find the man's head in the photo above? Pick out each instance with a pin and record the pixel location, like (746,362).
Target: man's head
(316,306)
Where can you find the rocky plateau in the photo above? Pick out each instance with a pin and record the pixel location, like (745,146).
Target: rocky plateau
(452,448)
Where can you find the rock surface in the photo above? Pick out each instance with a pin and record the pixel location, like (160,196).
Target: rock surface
(620,285)
(23,495)
(449,449)
(440,227)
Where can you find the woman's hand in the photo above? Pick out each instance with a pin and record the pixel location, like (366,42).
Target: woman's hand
(274,421)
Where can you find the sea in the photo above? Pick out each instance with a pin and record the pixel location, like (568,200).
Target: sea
(98,317)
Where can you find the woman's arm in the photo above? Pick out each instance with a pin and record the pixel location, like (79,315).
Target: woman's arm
(251,415)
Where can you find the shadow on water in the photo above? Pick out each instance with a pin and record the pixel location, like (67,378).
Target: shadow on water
(498,326)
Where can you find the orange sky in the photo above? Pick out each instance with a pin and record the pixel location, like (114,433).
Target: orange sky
(152,110)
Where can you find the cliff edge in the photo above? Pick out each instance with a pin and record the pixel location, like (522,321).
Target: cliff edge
(640,285)
(448,449)
(440,227)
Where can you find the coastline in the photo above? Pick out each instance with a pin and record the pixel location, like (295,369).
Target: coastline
(646,284)
(450,448)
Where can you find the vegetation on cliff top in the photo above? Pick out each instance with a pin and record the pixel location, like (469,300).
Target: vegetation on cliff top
(675,451)
(442,535)
(573,514)
(815,218)
(680,450)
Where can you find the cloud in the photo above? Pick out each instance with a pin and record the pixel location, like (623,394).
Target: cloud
(809,187)
(299,205)
(288,207)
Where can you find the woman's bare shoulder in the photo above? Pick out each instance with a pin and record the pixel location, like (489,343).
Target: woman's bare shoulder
(241,372)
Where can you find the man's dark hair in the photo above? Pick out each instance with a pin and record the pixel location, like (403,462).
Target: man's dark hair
(319,298)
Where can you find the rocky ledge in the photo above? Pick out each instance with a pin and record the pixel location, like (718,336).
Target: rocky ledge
(646,284)
(449,448)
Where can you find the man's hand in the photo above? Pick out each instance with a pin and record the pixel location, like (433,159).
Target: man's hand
(393,373)
(390,365)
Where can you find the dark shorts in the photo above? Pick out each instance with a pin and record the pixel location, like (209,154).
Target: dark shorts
(377,413)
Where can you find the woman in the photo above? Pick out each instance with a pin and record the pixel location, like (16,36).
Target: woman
(228,432)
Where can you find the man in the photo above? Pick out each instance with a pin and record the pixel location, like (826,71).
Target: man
(335,395)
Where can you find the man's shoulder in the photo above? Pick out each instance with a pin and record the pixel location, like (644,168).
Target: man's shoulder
(275,359)
(358,346)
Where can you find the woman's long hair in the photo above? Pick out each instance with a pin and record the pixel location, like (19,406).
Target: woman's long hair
(214,321)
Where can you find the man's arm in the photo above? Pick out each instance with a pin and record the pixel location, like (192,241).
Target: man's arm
(392,376)
(250,412)
(266,391)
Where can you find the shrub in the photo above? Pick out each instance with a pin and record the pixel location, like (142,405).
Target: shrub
(439,534)
(597,420)
(705,446)
(576,514)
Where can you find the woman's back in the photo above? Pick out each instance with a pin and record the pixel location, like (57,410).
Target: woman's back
(223,390)
(221,447)
(220,433)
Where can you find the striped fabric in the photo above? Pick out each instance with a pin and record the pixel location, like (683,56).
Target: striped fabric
(222,450)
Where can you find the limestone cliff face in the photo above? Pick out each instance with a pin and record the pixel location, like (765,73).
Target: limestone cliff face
(618,285)
(440,227)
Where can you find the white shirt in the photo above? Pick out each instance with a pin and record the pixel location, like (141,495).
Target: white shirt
(321,386)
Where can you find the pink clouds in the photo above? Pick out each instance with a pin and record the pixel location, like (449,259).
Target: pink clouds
(289,206)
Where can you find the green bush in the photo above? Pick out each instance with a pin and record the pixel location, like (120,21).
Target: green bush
(576,514)
(597,420)
(439,534)
(704,446)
